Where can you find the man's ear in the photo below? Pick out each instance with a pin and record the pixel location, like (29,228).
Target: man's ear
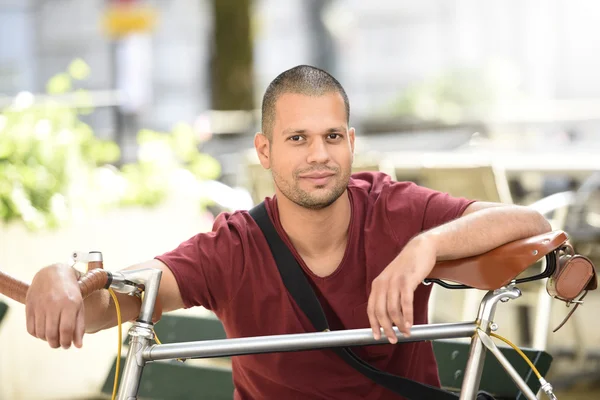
(262,146)
(351,134)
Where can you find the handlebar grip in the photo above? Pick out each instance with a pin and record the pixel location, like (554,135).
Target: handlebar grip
(13,288)
(93,280)
(90,282)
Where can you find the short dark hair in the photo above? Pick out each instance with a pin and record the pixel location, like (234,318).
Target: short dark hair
(302,79)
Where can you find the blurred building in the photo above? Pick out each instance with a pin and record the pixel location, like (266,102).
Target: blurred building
(376,48)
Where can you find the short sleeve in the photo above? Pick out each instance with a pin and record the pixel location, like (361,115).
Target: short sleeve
(208,267)
(412,209)
(441,208)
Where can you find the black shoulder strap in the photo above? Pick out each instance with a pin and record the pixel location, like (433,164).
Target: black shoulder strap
(297,284)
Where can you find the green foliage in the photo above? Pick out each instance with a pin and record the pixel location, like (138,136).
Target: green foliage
(159,156)
(52,166)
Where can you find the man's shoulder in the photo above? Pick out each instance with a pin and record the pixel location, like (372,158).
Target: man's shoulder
(239,220)
(376,183)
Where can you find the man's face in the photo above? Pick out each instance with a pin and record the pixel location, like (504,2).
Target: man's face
(311,151)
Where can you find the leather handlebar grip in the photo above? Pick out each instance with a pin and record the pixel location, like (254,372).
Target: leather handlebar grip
(13,288)
(92,281)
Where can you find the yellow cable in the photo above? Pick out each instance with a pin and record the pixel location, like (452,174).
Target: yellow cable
(518,351)
(156,337)
(153,331)
(112,293)
(158,342)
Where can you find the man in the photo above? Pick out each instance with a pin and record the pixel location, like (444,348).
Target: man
(365,242)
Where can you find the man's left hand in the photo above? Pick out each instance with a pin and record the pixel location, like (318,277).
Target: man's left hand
(392,292)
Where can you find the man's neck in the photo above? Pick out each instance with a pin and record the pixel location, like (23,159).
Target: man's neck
(315,232)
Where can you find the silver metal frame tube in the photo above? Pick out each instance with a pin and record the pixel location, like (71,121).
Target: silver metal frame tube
(491,346)
(141,333)
(474,368)
(141,336)
(301,341)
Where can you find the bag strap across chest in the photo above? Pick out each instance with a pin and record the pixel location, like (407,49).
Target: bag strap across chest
(303,294)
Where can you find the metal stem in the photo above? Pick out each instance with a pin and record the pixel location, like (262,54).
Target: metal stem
(150,278)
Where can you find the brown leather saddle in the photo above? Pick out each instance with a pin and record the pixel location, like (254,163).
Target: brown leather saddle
(570,275)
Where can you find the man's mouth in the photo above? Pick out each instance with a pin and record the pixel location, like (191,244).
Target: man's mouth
(318,178)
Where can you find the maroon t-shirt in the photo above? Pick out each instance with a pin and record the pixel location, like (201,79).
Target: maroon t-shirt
(231,271)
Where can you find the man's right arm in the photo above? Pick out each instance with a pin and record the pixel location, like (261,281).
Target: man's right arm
(57,313)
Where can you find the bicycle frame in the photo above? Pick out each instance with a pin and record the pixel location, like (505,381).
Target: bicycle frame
(142,350)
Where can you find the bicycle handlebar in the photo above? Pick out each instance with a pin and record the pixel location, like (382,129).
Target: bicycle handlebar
(94,280)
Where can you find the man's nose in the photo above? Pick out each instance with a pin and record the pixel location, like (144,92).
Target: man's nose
(318,153)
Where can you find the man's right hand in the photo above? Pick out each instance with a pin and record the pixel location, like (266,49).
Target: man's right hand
(54,307)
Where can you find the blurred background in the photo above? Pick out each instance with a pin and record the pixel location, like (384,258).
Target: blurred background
(127,126)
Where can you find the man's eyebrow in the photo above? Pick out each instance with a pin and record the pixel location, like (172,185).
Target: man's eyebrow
(293,131)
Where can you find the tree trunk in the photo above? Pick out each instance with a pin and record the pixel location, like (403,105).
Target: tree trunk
(231,69)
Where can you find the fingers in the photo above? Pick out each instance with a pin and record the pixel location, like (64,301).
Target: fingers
(40,326)
(391,303)
(406,302)
(378,313)
(393,307)
(400,307)
(59,326)
(30,319)
(54,307)
(52,336)
(375,327)
(381,312)
(67,326)
(79,329)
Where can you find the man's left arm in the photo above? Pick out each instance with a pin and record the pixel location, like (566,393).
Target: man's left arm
(481,228)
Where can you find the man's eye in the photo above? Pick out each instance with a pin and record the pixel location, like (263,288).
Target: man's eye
(295,138)
(334,136)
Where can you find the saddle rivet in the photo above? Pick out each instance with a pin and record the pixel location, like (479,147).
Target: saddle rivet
(535,252)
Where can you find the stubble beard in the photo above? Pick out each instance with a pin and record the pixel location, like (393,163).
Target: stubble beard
(294,193)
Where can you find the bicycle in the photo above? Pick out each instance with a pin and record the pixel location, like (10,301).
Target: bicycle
(496,271)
